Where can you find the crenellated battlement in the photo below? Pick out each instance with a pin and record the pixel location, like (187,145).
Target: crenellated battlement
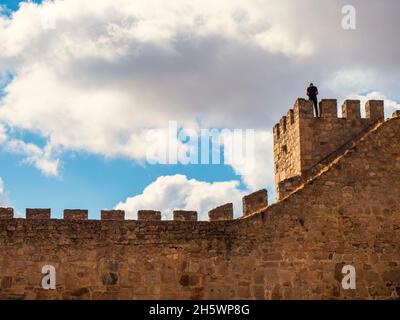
(251,203)
(351,111)
(302,140)
(345,213)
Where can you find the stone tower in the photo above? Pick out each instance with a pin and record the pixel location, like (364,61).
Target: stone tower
(303,142)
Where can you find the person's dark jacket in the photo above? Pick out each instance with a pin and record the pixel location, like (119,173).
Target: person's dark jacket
(312,92)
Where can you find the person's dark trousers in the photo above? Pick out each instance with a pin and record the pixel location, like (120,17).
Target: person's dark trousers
(315,102)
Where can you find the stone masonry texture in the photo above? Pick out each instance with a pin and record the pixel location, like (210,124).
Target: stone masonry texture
(183,215)
(221,213)
(301,141)
(149,215)
(255,201)
(347,212)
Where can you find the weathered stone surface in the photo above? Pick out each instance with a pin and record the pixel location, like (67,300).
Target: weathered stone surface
(255,201)
(374,110)
(118,215)
(149,215)
(110,279)
(328,108)
(348,213)
(221,213)
(183,215)
(75,214)
(302,147)
(6,282)
(6,213)
(38,214)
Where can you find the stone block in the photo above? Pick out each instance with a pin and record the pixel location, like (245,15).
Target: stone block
(255,201)
(149,215)
(221,213)
(75,214)
(374,110)
(328,108)
(38,214)
(183,215)
(118,215)
(351,110)
(6,213)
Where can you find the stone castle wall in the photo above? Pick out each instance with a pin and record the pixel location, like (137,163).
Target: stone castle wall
(301,140)
(349,213)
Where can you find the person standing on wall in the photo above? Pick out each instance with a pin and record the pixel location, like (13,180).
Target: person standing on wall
(312,93)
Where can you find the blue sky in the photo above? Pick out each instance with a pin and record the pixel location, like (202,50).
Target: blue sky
(79,81)
(88,181)
(12,4)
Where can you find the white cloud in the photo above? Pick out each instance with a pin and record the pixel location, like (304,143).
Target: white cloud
(168,193)
(355,82)
(352,80)
(107,70)
(3,197)
(1,186)
(277,41)
(254,158)
(111,69)
(263,173)
(44,159)
(390,105)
